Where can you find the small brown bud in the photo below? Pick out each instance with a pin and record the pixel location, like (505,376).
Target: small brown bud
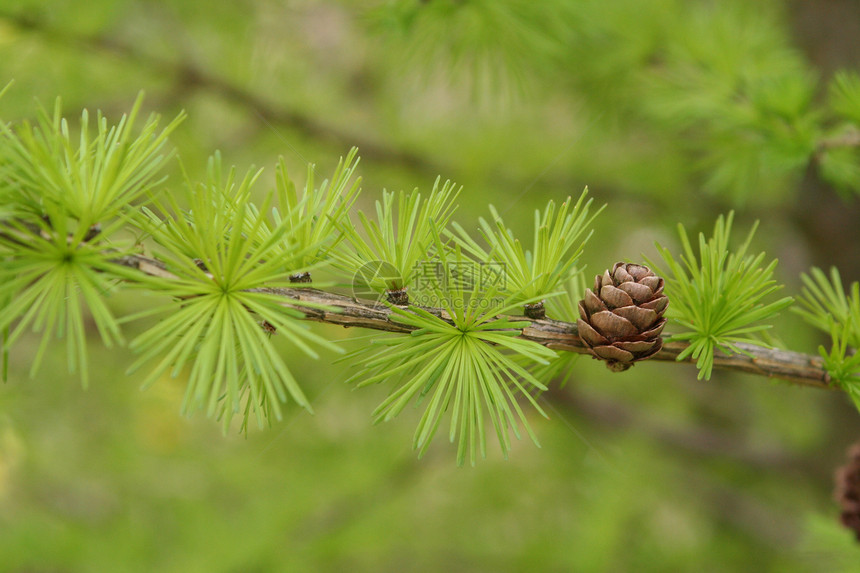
(398,297)
(535,310)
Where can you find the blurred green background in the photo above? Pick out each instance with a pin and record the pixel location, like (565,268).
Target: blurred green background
(662,108)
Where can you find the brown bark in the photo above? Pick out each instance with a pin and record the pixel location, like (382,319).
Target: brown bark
(794,367)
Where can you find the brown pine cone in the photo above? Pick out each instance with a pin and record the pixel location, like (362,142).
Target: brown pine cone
(622,317)
(848,491)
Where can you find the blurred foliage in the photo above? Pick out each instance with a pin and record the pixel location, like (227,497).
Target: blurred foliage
(670,111)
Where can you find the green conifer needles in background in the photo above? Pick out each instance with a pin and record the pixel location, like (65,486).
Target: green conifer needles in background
(717,297)
(826,306)
(462,363)
(559,239)
(838,153)
(63,199)
(401,236)
(222,250)
(220,258)
(845,96)
(314,216)
(93,177)
(48,277)
(563,307)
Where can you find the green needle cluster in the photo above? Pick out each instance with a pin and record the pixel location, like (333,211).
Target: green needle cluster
(463,364)
(558,241)
(826,306)
(224,251)
(717,297)
(64,199)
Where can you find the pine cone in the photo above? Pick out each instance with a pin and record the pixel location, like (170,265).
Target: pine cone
(622,317)
(848,491)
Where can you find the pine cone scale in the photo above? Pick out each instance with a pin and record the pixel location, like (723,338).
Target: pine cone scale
(638,292)
(657,305)
(592,302)
(589,335)
(642,318)
(621,318)
(636,346)
(654,332)
(655,283)
(613,353)
(613,326)
(614,297)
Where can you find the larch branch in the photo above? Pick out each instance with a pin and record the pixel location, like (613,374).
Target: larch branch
(795,367)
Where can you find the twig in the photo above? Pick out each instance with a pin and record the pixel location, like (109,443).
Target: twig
(794,367)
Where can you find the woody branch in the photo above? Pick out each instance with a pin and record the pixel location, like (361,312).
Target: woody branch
(794,367)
